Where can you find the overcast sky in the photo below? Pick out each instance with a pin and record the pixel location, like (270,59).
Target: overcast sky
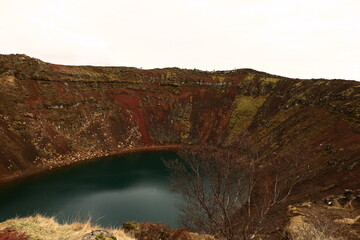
(294,38)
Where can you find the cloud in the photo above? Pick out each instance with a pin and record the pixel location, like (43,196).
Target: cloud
(293,38)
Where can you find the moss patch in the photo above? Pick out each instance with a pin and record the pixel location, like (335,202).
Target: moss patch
(245,108)
(270,80)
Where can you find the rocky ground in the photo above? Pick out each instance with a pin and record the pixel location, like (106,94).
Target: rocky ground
(336,217)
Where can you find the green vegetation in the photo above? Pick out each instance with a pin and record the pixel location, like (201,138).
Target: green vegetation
(270,80)
(245,108)
(102,237)
(249,77)
(348,92)
(220,79)
(130,226)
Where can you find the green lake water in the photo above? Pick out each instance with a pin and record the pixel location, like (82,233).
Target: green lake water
(112,190)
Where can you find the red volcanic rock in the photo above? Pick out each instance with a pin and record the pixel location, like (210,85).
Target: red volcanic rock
(53,115)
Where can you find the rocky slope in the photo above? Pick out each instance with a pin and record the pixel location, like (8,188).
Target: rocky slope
(334,218)
(53,115)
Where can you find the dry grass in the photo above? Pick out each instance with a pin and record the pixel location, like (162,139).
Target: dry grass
(336,217)
(300,229)
(323,223)
(198,236)
(349,220)
(43,228)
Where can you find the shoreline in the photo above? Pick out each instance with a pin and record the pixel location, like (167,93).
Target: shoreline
(46,168)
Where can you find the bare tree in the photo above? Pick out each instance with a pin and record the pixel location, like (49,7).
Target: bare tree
(212,184)
(229,193)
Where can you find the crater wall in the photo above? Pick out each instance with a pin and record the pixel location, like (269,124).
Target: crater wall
(54,115)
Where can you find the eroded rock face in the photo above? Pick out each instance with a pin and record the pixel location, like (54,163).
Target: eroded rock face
(52,115)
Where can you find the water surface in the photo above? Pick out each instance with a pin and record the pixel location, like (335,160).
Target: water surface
(112,190)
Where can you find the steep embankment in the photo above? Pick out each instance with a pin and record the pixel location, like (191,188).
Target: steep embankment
(53,115)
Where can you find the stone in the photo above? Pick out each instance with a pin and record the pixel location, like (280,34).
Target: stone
(99,235)
(29,115)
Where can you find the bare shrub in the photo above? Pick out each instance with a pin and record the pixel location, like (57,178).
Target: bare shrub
(229,192)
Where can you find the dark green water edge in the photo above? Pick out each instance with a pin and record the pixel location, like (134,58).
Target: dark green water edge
(110,191)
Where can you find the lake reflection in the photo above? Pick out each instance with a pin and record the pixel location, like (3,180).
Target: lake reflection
(132,187)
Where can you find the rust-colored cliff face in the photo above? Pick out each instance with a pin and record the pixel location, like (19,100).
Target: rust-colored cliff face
(53,115)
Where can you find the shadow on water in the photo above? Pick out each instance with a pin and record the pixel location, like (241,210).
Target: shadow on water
(111,190)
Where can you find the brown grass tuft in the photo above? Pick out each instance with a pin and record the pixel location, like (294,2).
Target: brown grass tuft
(43,228)
(299,228)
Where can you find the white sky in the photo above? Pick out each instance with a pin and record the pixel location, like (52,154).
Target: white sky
(294,38)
